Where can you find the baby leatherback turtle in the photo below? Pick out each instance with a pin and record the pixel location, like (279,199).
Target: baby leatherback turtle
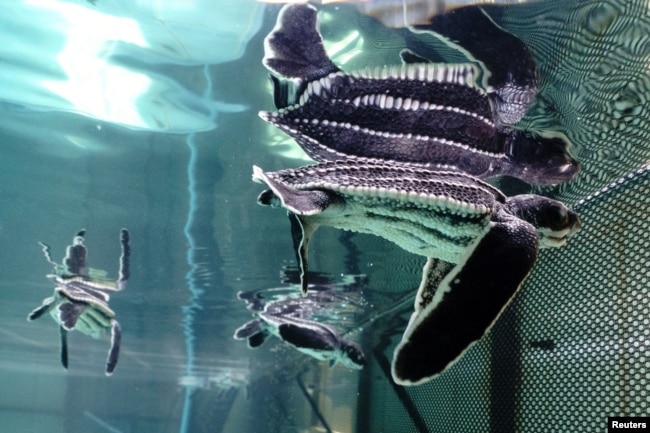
(451,217)
(430,114)
(282,318)
(80,300)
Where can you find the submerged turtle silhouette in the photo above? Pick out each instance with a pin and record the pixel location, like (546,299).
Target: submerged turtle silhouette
(430,114)
(282,318)
(80,300)
(481,244)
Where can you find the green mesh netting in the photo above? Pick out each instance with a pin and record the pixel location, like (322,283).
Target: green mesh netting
(574,347)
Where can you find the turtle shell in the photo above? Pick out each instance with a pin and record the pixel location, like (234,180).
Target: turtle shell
(429,114)
(426,212)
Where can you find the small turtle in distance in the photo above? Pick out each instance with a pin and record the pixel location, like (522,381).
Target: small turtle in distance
(81,295)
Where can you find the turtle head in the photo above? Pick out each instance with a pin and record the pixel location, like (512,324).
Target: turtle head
(555,223)
(540,159)
(299,202)
(353,356)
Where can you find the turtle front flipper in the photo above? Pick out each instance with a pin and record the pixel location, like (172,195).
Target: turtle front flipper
(63,337)
(254,331)
(48,256)
(320,341)
(294,49)
(468,301)
(75,256)
(114,351)
(125,260)
(434,271)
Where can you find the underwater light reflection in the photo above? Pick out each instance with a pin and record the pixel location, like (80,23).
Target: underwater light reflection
(102,60)
(95,86)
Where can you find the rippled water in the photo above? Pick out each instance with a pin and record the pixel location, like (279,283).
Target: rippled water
(140,115)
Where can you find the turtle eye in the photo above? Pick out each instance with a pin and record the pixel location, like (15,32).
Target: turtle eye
(558,216)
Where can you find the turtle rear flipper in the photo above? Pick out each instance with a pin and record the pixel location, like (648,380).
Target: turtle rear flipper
(254,332)
(69,313)
(294,49)
(114,350)
(512,71)
(38,312)
(434,271)
(247,329)
(468,302)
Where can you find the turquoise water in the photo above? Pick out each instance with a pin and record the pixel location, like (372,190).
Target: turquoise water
(143,115)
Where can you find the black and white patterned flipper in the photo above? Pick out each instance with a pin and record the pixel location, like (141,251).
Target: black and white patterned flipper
(294,48)
(114,351)
(48,303)
(468,302)
(298,203)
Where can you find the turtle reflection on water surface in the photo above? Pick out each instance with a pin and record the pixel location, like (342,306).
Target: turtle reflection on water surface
(288,318)
(480,244)
(80,300)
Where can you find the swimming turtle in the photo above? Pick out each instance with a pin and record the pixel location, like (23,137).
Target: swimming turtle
(430,114)
(282,318)
(80,300)
(486,243)
(510,74)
